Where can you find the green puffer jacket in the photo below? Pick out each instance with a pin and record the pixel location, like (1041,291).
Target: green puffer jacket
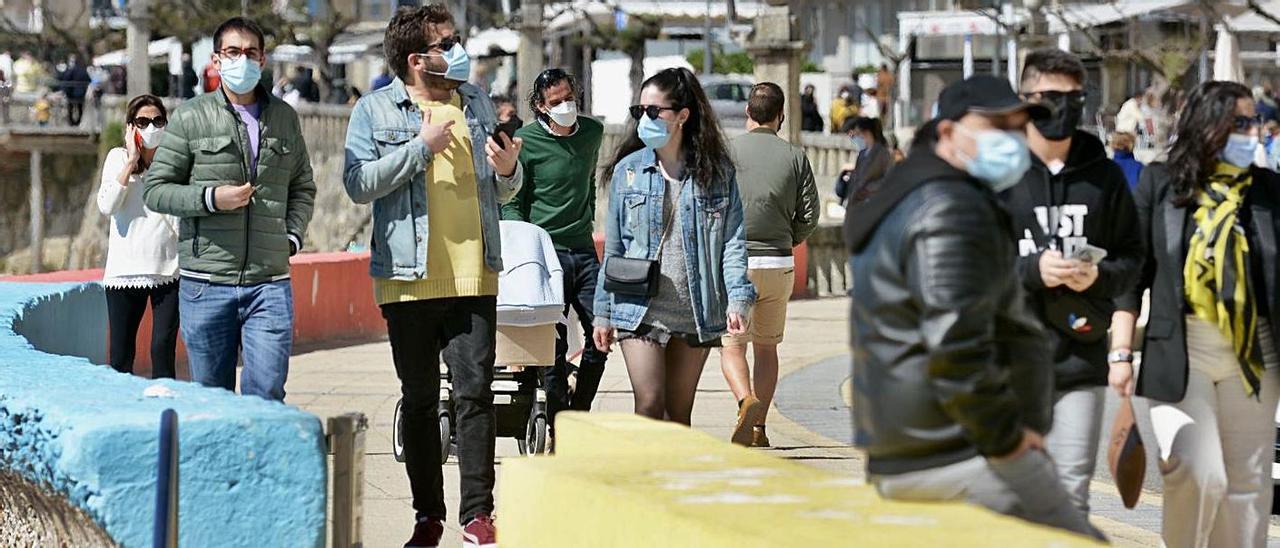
(206,145)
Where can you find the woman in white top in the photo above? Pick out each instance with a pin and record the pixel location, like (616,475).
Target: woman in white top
(142,260)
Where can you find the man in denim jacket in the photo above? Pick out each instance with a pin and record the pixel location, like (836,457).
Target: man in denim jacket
(421,150)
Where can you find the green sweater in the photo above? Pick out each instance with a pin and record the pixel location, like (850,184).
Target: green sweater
(559,191)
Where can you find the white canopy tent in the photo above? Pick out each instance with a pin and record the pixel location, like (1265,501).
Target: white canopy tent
(1226,57)
(157,49)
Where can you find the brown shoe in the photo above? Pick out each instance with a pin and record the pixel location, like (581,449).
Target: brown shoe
(750,413)
(759,438)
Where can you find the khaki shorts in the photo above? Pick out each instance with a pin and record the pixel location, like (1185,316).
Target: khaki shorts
(769,316)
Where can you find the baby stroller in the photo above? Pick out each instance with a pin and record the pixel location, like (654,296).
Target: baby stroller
(530,304)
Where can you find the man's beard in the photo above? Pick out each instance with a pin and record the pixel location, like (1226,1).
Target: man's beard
(435,81)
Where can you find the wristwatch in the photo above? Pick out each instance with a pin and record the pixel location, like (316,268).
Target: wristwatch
(1120,356)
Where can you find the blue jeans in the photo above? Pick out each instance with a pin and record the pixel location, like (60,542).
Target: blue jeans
(219,321)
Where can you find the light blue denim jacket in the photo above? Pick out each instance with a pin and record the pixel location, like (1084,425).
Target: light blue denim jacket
(714,246)
(386,164)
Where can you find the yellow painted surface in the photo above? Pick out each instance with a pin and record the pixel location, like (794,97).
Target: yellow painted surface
(620,481)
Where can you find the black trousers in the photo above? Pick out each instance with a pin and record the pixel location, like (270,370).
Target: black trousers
(75,110)
(125,308)
(462,330)
(580,270)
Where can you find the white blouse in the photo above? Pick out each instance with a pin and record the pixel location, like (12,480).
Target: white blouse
(143,249)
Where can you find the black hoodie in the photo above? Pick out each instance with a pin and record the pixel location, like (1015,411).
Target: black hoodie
(1090,199)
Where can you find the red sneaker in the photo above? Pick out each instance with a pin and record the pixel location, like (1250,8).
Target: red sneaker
(426,534)
(480,533)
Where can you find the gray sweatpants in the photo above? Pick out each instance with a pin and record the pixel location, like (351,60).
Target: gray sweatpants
(1073,441)
(1026,487)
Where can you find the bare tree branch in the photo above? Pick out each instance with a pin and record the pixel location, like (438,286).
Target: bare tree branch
(1262,12)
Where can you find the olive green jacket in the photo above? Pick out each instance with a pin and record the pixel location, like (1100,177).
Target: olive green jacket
(206,145)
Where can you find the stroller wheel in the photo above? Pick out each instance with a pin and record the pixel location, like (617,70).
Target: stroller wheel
(536,435)
(397,432)
(446,436)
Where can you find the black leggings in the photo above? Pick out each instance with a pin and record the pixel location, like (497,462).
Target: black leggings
(125,308)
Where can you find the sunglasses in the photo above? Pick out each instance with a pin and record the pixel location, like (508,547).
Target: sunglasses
(446,44)
(653,111)
(142,122)
(1074,98)
(1245,123)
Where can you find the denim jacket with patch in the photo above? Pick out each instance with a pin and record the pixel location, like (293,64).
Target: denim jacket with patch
(714,246)
(386,164)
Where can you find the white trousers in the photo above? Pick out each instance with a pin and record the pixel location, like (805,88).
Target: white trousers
(1216,446)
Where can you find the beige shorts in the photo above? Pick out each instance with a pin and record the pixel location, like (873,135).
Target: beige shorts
(769,316)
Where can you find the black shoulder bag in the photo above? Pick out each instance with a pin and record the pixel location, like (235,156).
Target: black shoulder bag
(638,277)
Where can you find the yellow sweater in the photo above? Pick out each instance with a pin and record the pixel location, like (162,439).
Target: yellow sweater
(455,248)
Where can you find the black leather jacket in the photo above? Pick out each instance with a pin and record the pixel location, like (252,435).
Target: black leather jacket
(947,361)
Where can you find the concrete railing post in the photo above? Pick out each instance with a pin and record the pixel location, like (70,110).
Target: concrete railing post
(346,442)
(36,203)
(776,53)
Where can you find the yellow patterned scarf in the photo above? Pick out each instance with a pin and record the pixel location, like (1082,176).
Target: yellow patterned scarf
(1219,288)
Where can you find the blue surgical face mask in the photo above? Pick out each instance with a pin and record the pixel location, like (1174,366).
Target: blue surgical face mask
(654,133)
(1002,157)
(459,63)
(241,74)
(859,143)
(1239,150)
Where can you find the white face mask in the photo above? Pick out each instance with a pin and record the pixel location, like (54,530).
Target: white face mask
(564,114)
(151,136)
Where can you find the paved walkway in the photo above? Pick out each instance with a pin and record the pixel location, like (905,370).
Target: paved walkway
(362,378)
(810,421)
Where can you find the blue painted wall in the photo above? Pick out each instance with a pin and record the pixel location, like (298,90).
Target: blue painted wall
(253,472)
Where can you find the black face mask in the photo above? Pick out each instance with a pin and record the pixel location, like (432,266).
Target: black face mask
(1067,111)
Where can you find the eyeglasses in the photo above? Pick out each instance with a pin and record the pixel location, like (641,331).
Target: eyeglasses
(653,111)
(1246,123)
(142,122)
(234,53)
(446,43)
(1074,98)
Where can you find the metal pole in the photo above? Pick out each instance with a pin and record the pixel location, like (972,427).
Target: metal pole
(36,203)
(165,531)
(968,56)
(706,42)
(346,441)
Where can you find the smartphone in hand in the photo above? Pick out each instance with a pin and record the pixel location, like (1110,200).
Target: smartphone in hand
(509,128)
(1089,254)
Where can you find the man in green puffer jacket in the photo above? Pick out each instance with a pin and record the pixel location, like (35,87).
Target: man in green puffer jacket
(233,166)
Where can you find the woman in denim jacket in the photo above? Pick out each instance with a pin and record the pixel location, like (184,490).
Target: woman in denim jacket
(673,198)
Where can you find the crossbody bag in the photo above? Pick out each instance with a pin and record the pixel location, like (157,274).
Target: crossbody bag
(634,276)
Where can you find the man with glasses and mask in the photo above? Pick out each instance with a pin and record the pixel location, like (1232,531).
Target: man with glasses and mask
(559,194)
(424,152)
(1077,234)
(951,372)
(234,167)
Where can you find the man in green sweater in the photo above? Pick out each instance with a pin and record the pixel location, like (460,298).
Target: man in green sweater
(780,205)
(559,195)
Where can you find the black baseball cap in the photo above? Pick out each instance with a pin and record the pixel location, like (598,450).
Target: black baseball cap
(985,94)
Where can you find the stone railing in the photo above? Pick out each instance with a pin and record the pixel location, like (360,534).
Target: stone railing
(339,224)
(87,456)
(828,263)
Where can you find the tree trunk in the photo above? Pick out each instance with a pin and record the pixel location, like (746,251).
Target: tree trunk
(636,74)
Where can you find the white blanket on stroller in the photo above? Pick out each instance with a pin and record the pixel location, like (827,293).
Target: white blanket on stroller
(531,286)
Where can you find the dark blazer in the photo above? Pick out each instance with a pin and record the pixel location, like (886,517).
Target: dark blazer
(1166,230)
